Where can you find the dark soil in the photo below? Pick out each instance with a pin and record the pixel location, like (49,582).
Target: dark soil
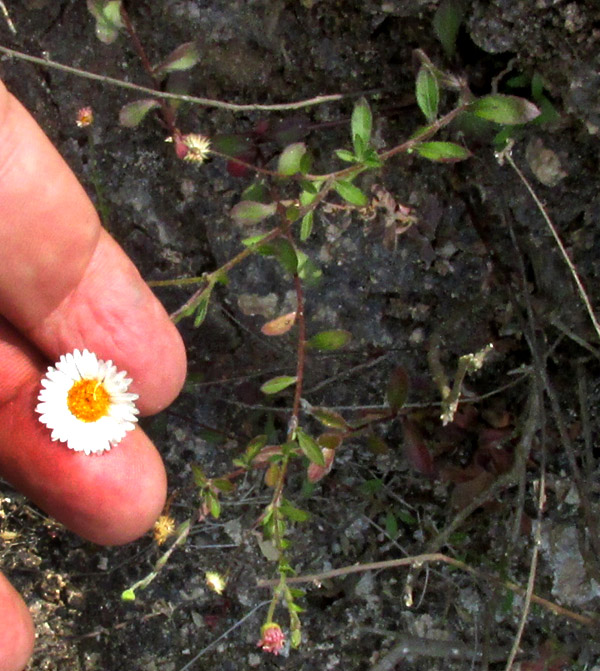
(479,266)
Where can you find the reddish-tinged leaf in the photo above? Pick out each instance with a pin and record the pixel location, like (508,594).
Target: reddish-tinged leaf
(329,418)
(464,492)
(183,58)
(331,441)
(272,475)
(503,109)
(280,325)
(266,453)
(376,444)
(397,389)
(415,449)
(236,169)
(133,113)
(316,472)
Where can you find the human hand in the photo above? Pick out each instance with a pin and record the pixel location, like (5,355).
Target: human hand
(64,285)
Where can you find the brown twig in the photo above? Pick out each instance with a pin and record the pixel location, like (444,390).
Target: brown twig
(535,398)
(196,100)
(419,560)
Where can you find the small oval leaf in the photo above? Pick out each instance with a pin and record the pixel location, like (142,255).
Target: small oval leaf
(280,325)
(329,340)
(183,58)
(310,448)
(290,159)
(249,212)
(361,124)
(444,152)
(351,193)
(202,306)
(293,513)
(133,113)
(427,93)
(316,472)
(397,389)
(329,418)
(446,22)
(276,384)
(108,19)
(306,226)
(504,109)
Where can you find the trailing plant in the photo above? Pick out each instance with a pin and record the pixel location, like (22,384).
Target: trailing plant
(281,206)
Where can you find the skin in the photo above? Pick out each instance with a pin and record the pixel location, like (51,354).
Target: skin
(65,284)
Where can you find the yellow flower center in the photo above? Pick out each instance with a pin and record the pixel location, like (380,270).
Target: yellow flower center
(88,400)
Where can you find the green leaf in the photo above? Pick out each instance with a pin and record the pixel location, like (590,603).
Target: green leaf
(283,251)
(306,226)
(518,82)
(223,485)
(376,444)
(255,446)
(330,441)
(296,638)
(249,212)
(407,518)
(183,58)
(345,155)
(371,159)
(254,239)
(444,152)
(290,159)
(108,19)
(350,193)
(231,145)
(310,448)
(200,479)
(329,418)
(133,113)
(257,192)
(428,93)
(446,22)
(293,513)
(537,86)
(308,270)
(128,595)
(391,525)
(202,306)
(397,389)
(370,487)
(361,124)
(277,384)
(213,504)
(504,109)
(329,340)
(305,163)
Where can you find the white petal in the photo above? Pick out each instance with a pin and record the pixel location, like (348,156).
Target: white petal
(88,437)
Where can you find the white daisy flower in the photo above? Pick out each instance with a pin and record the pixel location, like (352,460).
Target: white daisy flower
(85,403)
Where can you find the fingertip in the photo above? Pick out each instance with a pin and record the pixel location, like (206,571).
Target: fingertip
(113,313)
(17,634)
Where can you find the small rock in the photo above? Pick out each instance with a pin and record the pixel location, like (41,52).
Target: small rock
(544,163)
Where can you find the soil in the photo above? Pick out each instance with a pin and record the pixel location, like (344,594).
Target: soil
(477,266)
